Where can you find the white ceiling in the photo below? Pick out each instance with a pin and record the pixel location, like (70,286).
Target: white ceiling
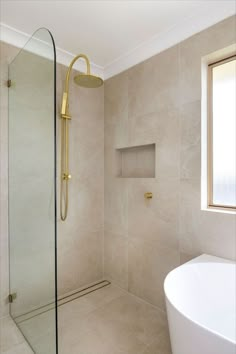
(115,34)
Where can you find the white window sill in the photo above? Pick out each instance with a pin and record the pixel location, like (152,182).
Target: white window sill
(219,210)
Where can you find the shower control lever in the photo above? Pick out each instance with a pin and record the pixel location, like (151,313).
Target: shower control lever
(148,195)
(66,176)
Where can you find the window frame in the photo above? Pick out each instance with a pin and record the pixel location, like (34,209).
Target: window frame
(210,203)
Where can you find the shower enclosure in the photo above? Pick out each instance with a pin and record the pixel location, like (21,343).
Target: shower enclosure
(32,192)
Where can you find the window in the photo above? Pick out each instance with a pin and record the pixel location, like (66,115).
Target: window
(222,134)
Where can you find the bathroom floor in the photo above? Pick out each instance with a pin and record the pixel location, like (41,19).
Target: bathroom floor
(107,321)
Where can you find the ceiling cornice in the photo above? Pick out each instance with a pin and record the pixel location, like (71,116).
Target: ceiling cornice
(18,39)
(176,34)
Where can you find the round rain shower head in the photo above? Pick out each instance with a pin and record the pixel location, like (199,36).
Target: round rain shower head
(88,81)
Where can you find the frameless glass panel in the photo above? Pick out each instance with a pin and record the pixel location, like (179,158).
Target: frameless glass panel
(224,134)
(32,207)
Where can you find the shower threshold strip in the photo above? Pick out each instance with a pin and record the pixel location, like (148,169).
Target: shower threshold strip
(62,300)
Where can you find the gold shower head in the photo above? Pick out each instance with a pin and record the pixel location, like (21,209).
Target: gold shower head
(88,80)
(84,80)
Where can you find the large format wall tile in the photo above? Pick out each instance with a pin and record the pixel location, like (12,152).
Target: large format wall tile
(116,205)
(116,96)
(159,102)
(190,147)
(162,128)
(79,259)
(204,231)
(149,263)
(156,219)
(116,258)
(116,110)
(154,84)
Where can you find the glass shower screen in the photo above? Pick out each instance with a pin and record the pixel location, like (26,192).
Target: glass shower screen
(32,192)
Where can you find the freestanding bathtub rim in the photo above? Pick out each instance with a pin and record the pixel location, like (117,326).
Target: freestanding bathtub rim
(204,258)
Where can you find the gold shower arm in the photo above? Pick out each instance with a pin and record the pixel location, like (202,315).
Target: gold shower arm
(64,105)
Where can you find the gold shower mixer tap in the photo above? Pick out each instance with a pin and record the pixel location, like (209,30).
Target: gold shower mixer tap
(148,195)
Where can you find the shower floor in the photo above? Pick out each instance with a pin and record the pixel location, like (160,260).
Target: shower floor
(107,321)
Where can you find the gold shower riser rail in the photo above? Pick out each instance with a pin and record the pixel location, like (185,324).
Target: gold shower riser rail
(85,80)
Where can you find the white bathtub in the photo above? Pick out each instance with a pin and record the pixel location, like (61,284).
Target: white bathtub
(200,300)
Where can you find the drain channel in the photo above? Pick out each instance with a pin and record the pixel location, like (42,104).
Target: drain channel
(62,301)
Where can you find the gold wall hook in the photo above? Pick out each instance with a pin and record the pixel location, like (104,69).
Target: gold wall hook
(148,195)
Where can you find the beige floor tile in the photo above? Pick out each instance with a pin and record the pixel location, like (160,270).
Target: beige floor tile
(74,311)
(22,348)
(161,345)
(107,321)
(92,343)
(38,326)
(45,344)
(130,315)
(121,324)
(10,335)
(120,335)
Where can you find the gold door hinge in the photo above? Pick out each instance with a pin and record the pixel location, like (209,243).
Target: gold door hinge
(11,297)
(8,83)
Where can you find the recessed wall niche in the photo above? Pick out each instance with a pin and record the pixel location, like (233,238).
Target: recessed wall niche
(136,161)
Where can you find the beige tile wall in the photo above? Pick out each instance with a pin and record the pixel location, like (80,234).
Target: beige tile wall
(159,101)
